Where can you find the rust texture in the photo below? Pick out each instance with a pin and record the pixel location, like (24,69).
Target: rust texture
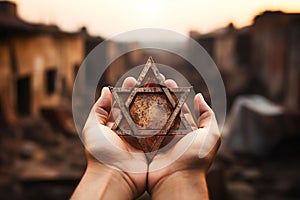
(151,115)
(145,110)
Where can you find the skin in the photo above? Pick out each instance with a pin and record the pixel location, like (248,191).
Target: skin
(110,180)
(182,179)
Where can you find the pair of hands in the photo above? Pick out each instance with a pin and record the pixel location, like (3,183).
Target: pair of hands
(128,167)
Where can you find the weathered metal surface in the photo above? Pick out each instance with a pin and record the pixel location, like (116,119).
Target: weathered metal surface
(150,112)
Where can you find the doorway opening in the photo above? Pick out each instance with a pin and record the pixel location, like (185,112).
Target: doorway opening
(23,96)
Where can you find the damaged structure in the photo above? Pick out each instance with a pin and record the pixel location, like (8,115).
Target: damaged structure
(38,64)
(261,58)
(260,66)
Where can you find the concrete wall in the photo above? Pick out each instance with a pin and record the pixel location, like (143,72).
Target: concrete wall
(269,41)
(262,58)
(225,48)
(292,98)
(33,56)
(276,60)
(7,113)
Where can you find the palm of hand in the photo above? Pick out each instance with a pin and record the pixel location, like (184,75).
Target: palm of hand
(106,148)
(196,149)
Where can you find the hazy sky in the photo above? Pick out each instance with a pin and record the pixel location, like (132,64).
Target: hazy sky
(110,17)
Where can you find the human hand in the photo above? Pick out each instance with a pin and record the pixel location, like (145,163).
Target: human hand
(190,168)
(108,155)
(185,177)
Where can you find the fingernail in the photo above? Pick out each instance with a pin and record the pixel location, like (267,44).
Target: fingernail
(201,96)
(102,91)
(162,76)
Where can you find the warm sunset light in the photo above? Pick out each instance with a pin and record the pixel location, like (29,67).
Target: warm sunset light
(110,17)
(139,99)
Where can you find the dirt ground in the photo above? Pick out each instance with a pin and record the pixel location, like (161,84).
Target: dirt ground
(40,163)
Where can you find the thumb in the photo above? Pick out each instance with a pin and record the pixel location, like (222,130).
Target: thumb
(207,116)
(102,107)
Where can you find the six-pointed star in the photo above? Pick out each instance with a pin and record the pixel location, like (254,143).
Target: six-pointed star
(151,83)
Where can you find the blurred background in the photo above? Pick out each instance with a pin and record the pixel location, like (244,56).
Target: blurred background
(255,44)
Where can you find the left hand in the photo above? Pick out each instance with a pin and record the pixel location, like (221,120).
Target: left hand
(194,161)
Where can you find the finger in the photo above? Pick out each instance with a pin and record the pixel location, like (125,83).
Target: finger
(103,105)
(191,121)
(162,76)
(129,82)
(185,110)
(207,116)
(210,137)
(171,83)
(115,113)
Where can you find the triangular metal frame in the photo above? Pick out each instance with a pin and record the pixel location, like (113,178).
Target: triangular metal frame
(125,106)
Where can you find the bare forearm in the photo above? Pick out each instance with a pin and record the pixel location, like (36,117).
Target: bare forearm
(104,184)
(181,185)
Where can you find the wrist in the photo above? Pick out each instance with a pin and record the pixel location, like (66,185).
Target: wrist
(114,177)
(181,185)
(102,182)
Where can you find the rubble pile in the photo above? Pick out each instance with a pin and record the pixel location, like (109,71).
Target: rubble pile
(37,159)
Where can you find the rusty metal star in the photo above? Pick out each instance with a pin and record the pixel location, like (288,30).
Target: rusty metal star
(150,111)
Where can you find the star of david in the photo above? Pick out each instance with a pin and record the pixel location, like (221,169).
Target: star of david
(151,111)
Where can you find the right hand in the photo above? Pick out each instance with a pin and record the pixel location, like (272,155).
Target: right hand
(106,151)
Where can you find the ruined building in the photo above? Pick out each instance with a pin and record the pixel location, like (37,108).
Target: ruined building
(262,58)
(38,64)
